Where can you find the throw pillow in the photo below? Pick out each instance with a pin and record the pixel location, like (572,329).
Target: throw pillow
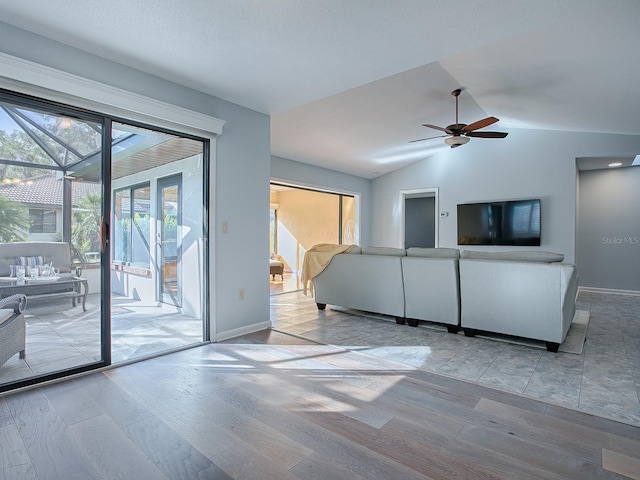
(30,261)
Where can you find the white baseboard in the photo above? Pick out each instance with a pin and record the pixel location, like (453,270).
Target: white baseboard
(237,332)
(611,291)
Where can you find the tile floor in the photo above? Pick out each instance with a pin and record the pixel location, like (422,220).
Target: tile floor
(604,380)
(60,337)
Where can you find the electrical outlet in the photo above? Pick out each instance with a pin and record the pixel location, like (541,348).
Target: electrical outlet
(241,294)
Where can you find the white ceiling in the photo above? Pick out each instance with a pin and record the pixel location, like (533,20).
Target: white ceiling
(348,82)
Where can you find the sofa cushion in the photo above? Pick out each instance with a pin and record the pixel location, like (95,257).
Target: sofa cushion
(515,256)
(433,252)
(388,251)
(355,251)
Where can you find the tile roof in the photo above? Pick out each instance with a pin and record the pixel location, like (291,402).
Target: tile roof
(46,190)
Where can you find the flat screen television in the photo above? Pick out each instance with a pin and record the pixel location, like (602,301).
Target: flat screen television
(512,222)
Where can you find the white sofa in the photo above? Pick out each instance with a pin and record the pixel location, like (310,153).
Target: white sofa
(528,294)
(367,278)
(431,286)
(412,285)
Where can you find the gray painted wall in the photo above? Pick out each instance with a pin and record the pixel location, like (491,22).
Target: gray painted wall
(419,222)
(608,246)
(302,174)
(240,193)
(526,164)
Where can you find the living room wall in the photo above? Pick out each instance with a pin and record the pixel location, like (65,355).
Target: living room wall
(240,176)
(526,164)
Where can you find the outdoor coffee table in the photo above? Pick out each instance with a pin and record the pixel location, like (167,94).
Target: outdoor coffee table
(75,288)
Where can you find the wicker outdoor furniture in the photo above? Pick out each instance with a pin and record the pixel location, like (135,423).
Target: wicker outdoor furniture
(12,329)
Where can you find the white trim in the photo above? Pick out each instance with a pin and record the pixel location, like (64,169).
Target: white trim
(121,102)
(237,332)
(420,193)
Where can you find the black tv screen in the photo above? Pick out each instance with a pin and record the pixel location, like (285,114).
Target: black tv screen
(512,222)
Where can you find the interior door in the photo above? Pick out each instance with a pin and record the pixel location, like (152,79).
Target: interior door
(168,240)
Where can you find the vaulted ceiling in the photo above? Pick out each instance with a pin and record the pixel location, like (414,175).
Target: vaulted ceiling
(348,83)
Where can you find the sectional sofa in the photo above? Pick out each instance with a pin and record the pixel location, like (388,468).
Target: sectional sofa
(528,294)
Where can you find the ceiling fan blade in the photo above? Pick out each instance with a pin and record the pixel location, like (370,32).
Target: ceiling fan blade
(486,134)
(429,138)
(485,122)
(434,127)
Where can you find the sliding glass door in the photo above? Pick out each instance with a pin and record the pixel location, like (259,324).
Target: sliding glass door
(157,233)
(98,219)
(51,206)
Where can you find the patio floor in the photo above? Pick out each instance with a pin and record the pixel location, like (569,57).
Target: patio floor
(59,336)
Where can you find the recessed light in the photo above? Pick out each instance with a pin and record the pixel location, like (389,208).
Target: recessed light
(615,164)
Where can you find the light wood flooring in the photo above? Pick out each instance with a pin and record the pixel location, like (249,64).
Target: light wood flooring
(275,406)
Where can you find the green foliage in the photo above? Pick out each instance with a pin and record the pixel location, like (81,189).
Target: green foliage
(85,228)
(14,221)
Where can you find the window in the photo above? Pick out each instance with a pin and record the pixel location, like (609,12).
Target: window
(42,221)
(131,229)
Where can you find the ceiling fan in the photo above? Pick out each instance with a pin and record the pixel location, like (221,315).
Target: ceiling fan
(459,133)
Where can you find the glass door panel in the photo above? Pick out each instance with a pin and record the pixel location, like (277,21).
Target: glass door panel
(169,206)
(50,221)
(157,231)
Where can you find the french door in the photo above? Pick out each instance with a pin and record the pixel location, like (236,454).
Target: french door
(168,240)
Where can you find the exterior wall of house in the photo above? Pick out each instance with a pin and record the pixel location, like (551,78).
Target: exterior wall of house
(144,288)
(526,164)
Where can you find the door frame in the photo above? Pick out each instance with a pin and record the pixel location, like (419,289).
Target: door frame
(419,193)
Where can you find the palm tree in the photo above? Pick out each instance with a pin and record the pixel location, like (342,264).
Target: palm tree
(14,221)
(85,235)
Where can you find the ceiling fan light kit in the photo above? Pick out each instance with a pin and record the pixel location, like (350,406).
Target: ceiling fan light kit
(459,133)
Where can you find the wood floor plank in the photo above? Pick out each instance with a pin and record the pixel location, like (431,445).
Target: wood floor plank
(5,414)
(622,464)
(19,472)
(111,452)
(242,462)
(342,452)
(72,402)
(12,450)
(570,430)
(538,456)
(202,407)
(121,408)
(592,421)
(423,451)
(320,467)
(175,457)
(53,451)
